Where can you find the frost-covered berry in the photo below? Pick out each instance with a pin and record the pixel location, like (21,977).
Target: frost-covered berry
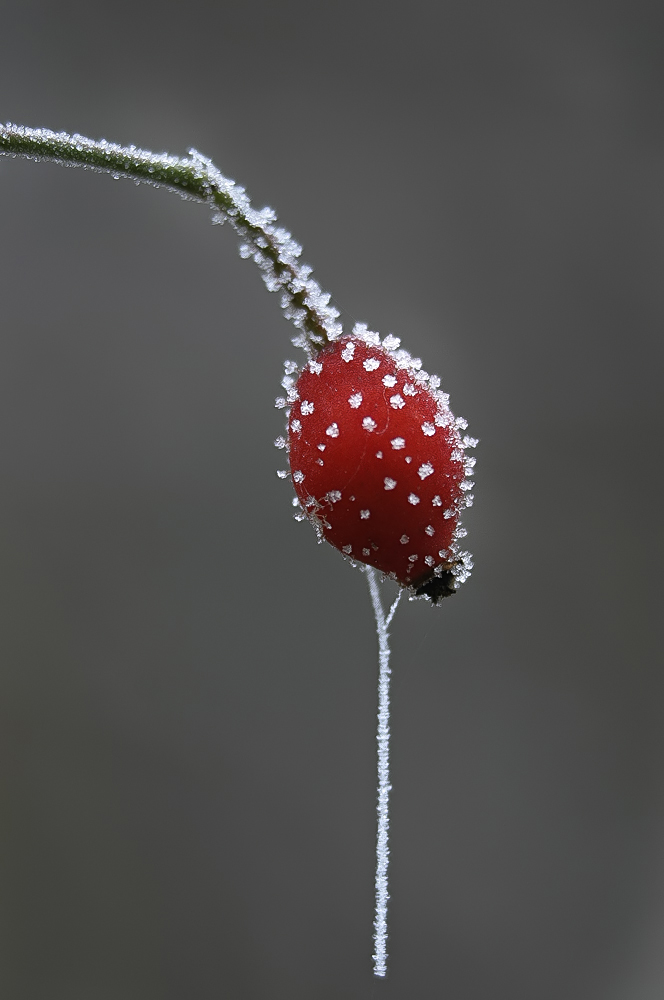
(378,462)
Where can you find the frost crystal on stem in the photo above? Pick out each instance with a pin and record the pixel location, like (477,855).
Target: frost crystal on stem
(384,787)
(196,177)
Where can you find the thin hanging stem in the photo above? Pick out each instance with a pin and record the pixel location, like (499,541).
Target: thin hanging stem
(384,787)
(196,177)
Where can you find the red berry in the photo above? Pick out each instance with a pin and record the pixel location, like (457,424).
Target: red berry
(378,463)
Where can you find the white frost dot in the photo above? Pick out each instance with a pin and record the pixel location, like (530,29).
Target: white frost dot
(315,367)
(366,552)
(391,342)
(425,470)
(306,407)
(397,402)
(370,338)
(319,461)
(355,400)
(280,402)
(321,447)
(434,381)
(409,459)
(347,549)
(298,477)
(389,381)
(348,352)
(282,474)
(409,390)
(398,443)
(333,431)
(369,424)
(429,560)
(412,558)
(296,426)
(428,429)
(334,496)
(404,539)
(280,442)
(389,483)
(413,498)
(379,454)
(364,514)
(430,530)
(371,364)
(437,502)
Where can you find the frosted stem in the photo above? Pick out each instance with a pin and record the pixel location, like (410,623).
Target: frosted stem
(384,787)
(271,247)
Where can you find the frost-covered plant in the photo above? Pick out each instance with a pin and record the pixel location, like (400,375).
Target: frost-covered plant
(376,457)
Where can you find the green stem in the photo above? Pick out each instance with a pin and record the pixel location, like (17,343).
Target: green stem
(272,248)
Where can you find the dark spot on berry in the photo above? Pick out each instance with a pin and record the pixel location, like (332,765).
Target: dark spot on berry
(438,587)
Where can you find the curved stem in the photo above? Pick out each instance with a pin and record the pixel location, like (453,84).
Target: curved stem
(384,786)
(271,247)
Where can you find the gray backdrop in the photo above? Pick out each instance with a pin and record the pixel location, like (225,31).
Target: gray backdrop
(187,682)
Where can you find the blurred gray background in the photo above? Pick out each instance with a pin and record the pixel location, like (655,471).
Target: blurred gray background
(187,682)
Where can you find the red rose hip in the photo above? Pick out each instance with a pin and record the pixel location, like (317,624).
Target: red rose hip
(378,463)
